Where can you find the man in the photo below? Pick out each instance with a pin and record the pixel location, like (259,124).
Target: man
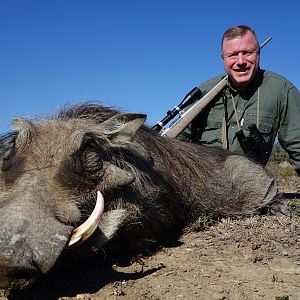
(253,97)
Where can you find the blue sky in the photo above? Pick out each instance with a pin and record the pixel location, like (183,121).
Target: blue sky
(135,55)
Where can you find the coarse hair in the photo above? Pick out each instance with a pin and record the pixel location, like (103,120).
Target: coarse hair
(237,31)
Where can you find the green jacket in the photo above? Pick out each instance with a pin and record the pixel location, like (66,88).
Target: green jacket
(276,113)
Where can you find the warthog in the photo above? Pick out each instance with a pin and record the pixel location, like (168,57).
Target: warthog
(152,186)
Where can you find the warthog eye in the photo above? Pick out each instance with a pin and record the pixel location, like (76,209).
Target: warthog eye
(85,165)
(91,157)
(88,161)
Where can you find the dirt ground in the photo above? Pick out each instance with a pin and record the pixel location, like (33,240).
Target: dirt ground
(252,258)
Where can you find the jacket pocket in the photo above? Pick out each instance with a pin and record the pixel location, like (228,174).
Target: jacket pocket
(266,125)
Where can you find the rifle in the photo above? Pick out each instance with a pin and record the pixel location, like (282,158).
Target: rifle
(186,118)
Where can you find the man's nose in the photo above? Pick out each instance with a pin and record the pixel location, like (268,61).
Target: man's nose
(240,60)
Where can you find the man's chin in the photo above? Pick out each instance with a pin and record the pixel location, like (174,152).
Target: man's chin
(241,81)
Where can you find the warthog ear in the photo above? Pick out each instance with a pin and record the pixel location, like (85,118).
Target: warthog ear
(121,128)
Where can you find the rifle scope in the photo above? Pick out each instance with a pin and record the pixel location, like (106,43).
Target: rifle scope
(190,98)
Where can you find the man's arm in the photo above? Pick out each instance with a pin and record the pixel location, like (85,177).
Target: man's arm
(289,131)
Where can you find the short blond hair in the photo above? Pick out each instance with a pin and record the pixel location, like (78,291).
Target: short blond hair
(236,31)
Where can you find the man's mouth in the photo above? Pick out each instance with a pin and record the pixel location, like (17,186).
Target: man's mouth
(241,70)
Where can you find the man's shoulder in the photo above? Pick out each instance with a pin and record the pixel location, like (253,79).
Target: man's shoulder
(209,84)
(274,78)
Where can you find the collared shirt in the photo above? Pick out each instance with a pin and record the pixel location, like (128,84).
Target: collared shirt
(276,114)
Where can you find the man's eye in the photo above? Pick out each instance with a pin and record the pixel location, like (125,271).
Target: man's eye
(232,55)
(247,53)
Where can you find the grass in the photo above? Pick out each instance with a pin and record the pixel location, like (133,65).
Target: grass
(294,205)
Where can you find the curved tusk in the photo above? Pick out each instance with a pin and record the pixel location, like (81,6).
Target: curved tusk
(86,229)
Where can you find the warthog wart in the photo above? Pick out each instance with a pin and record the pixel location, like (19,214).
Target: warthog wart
(152,186)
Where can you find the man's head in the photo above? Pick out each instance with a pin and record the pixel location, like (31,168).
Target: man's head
(241,55)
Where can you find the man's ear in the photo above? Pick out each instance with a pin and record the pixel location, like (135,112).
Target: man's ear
(121,128)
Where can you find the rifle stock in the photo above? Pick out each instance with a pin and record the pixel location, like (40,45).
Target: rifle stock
(187,117)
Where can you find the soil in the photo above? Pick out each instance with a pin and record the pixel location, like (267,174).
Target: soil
(250,258)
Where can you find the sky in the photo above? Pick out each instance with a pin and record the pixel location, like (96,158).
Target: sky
(133,55)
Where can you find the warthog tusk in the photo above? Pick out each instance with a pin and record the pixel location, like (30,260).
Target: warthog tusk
(86,229)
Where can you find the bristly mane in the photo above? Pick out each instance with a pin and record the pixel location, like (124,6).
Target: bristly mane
(86,110)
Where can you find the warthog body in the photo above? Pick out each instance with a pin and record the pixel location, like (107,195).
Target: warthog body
(152,186)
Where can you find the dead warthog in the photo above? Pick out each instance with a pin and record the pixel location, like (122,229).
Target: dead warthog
(152,186)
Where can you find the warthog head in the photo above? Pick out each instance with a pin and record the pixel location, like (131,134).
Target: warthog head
(152,186)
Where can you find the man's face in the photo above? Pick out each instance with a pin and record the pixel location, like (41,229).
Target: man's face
(241,59)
